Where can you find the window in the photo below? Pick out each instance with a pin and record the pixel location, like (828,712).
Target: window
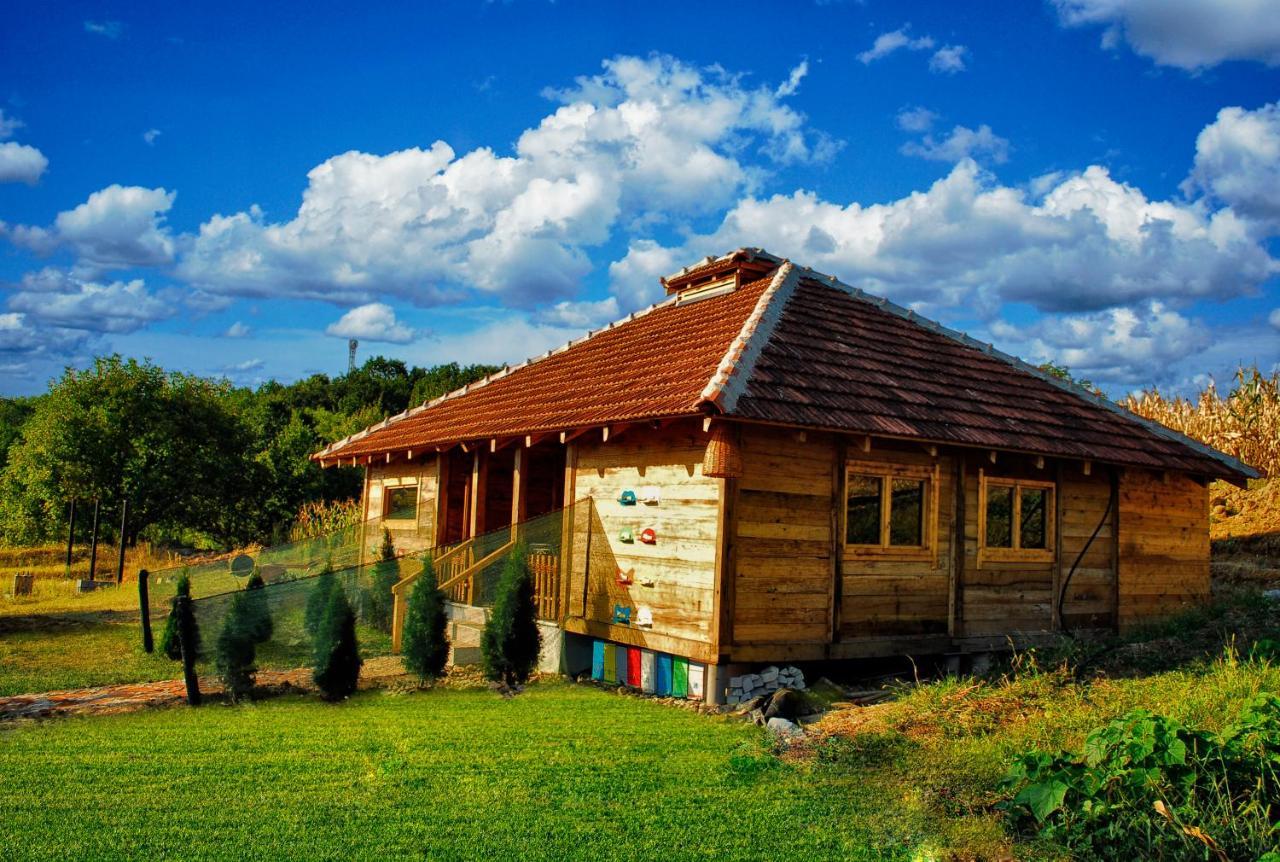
(401,503)
(889,510)
(1016,519)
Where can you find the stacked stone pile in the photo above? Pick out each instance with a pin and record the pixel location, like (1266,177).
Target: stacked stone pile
(752,685)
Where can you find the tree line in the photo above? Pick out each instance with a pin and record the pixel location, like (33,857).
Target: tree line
(201,462)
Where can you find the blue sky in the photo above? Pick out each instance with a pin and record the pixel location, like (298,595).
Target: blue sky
(234,190)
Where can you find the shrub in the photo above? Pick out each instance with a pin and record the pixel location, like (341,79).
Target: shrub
(318,599)
(170,646)
(380,604)
(511,641)
(235,649)
(259,611)
(425,643)
(336,660)
(1146,787)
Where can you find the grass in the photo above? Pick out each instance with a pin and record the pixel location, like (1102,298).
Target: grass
(75,651)
(560,772)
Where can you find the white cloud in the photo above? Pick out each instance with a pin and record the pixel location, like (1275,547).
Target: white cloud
(373,322)
(117,227)
(150,135)
(917,119)
(789,86)
(109,29)
(56,299)
(1188,34)
(1238,161)
(652,140)
(1086,243)
(580,315)
(238,330)
(887,43)
(23,338)
(245,367)
(20,163)
(9,126)
(1144,342)
(948,60)
(1274,318)
(962,143)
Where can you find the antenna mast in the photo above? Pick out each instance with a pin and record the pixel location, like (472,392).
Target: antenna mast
(351,355)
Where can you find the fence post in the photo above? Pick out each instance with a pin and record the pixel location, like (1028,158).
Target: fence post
(188,652)
(144,605)
(71,534)
(93,545)
(124,520)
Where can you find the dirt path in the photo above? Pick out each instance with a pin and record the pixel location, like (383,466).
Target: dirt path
(108,699)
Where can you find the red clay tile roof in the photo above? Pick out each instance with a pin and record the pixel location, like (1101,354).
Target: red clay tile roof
(796,348)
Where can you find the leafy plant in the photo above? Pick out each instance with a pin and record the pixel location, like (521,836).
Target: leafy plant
(318,599)
(234,651)
(425,640)
(386,572)
(170,646)
(1147,787)
(259,611)
(510,643)
(336,658)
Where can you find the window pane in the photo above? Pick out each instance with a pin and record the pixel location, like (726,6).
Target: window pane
(906,513)
(402,503)
(863,510)
(999,516)
(1034,534)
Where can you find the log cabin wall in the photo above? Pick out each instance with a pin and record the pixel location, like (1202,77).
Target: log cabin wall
(1164,545)
(416,534)
(673,578)
(1090,598)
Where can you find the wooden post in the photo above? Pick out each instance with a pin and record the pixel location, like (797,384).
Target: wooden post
(477,493)
(124,521)
(725,574)
(1055,604)
(71,534)
(144,608)
(956,593)
(839,505)
(189,677)
(93,546)
(517,490)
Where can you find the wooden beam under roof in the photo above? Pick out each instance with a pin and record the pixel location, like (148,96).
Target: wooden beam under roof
(570,436)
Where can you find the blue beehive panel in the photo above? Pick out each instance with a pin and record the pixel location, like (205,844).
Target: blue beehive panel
(662,682)
(597,660)
(622,660)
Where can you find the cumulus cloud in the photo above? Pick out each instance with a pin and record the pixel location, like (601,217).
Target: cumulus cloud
(963,143)
(948,60)
(117,227)
(789,86)
(894,40)
(9,126)
(916,119)
(21,338)
(150,135)
(108,29)
(1187,34)
(649,140)
(21,163)
(237,330)
(1238,162)
(373,322)
(580,315)
(1084,242)
(54,298)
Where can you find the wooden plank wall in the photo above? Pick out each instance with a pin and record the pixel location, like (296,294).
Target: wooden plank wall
(1089,602)
(899,597)
(1164,545)
(675,577)
(783,564)
(407,537)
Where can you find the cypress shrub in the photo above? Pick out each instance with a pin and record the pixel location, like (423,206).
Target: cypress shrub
(258,610)
(318,599)
(235,648)
(380,604)
(336,658)
(425,641)
(170,646)
(511,641)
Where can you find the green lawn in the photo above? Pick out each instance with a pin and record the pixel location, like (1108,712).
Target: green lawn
(73,651)
(560,772)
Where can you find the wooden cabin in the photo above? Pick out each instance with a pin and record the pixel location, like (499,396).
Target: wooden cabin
(822,475)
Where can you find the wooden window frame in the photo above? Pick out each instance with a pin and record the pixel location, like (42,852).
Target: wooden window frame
(1015,553)
(887,471)
(395,483)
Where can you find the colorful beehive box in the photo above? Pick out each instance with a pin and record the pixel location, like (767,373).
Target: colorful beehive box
(648,673)
(621,654)
(634,667)
(610,663)
(679,677)
(662,675)
(597,660)
(697,680)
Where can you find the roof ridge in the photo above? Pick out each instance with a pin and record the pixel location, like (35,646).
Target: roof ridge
(505,371)
(884,304)
(730,378)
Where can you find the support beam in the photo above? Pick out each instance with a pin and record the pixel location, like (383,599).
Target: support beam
(1039,462)
(866,444)
(1088,468)
(478,465)
(991,456)
(531,440)
(706,425)
(613,432)
(567,437)
(518,476)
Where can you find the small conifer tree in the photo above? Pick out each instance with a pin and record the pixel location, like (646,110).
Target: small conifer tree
(170,646)
(336,659)
(234,651)
(258,610)
(425,640)
(386,572)
(511,641)
(318,599)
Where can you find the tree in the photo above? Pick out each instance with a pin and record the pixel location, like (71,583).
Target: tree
(336,658)
(234,651)
(1063,373)
(511,642)
(386,572)
(261,624)
(318,599)
(170,646)
(425,643)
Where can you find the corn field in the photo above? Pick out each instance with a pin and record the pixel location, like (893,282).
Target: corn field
(320,518)
(1245,423)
